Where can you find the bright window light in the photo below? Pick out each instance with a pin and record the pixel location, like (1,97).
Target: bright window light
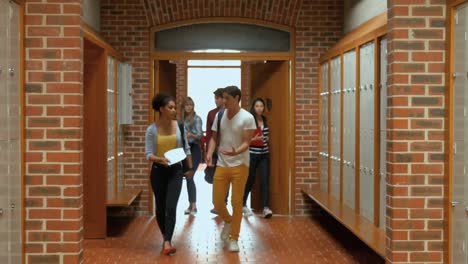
(216,51)
(214,63)
(202,82)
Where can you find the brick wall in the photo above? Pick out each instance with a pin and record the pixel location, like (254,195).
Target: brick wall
(124,25)
(53,127)
(181,84)
(318,26)
(416,109)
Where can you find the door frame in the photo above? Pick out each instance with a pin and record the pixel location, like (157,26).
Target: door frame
(244,56)
(452,5)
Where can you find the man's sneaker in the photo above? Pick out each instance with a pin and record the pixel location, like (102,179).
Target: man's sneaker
(267,213)
(226,231)
(246,211)
(214,211)
(233,246)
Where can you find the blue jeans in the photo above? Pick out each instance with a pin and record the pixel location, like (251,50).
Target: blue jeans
(195,149)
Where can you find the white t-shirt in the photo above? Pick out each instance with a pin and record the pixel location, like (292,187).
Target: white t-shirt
(231,136)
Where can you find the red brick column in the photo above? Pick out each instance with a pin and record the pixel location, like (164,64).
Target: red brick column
(415,158)
(53,125)
(318,28)
(181,83)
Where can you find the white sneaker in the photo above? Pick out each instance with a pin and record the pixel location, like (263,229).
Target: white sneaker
(226,231)
(193,211)
(246,211)
(233,246)
(267,213)
(190,211)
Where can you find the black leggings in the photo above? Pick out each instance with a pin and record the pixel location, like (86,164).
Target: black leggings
(166,183)
(262,163)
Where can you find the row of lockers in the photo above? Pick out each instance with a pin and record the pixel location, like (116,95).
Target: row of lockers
(122,105)
(330,98)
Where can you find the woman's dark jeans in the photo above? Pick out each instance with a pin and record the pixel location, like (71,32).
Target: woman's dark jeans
(167,184)
(262,163)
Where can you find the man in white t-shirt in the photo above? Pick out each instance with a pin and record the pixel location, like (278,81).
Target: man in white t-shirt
(236,129)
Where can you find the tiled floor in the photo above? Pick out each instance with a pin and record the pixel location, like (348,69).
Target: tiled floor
(281,239)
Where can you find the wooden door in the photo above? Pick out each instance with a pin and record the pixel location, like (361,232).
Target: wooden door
(270,81)
(166,76)
(95,141)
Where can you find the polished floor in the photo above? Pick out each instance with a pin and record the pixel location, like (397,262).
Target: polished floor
(281,239)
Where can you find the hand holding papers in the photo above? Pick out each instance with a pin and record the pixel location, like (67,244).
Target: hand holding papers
(175,155)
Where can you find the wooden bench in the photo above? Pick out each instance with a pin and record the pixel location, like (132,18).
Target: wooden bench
(122,197)
(365,230)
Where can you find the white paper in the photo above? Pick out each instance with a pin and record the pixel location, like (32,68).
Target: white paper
(175,155)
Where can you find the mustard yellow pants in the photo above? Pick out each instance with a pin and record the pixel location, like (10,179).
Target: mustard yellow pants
(237,176)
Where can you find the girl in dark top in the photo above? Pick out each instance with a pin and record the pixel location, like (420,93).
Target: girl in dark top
(166,180)
(259,158)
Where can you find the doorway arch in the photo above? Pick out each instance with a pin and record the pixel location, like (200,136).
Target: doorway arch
(279,62)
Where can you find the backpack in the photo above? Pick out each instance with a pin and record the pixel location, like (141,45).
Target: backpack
(210,171)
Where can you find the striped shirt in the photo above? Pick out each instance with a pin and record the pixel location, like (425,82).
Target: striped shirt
(264,149)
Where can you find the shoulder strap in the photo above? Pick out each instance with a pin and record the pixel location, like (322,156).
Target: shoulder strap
(220,115)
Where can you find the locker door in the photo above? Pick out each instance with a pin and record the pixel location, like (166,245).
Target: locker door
(460,141)
(349,81)
(4,234)
(14,135)
(336,113)
(366,136)
(383,131)
(324,151)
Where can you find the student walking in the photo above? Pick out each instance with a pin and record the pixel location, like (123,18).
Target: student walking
(234,135)
(219,101)
(259,159)
(166,180)
(193,131)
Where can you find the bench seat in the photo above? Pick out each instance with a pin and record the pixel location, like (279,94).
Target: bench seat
(365,230)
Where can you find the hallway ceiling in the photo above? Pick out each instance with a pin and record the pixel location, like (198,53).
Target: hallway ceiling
(277,11)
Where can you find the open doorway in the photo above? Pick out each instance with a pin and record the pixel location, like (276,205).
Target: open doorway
(267,79)
(205,76)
